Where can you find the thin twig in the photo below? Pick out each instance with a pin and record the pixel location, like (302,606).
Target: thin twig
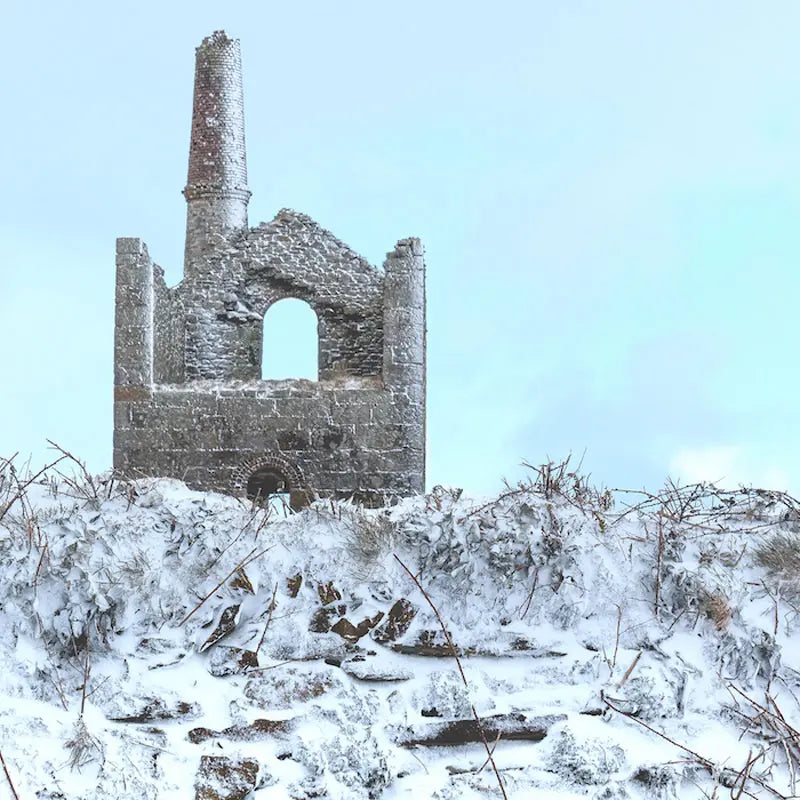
(660,526)
(616,641)
(494,747)
(86,667)
(87,476)
(248,559)
(8,777)
(702,760)
(454,653)
(629,670)
(23,486)
(269,619)
(274,666)
(39,565)
(761,708)
(529,600)
(57,680)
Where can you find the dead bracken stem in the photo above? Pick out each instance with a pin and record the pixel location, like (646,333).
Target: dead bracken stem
(616,640)
(494,747)
(20,494)
(39,566)
(86,666)
(265,515)
(8,777)
(629,670)
(454,652)
(248,559)
(57,680)
(659,556)
(704,762)
(529,600)
(92,492)
(776,717)
(274,666)
(269,619)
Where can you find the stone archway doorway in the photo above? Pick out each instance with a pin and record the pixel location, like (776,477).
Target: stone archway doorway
(270,480)
(266,485)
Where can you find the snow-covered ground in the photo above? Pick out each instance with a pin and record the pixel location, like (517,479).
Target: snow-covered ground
(161,643)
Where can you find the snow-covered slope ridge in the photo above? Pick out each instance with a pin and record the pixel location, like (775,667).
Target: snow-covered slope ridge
(161,643)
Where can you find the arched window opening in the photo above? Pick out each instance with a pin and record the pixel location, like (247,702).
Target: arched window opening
(290,341)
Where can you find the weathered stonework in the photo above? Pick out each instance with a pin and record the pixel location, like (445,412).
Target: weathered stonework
(189,399)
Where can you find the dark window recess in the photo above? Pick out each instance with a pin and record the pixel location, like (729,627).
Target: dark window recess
(265,482)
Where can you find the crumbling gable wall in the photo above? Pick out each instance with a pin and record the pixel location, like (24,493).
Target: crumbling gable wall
(294,257)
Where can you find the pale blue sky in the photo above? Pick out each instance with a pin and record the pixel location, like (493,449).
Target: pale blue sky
(608,195)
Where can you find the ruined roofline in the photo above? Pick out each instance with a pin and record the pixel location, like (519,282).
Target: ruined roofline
(289,215)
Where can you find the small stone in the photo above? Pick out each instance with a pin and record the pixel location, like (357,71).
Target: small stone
(241,581)
(225,778)
(328,593)
(346,630)
(293,585)
(374,670)
(322,620)
(231,661)
(352,633)
(227,624)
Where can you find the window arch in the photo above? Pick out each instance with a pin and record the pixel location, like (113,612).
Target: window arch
(290,341)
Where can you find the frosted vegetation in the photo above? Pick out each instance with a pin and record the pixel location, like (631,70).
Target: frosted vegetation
(157,643)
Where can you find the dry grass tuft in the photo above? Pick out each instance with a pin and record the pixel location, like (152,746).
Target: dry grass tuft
(369,538)
(780,555)
(715,606)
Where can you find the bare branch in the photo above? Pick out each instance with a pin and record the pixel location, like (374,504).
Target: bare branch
(454,652)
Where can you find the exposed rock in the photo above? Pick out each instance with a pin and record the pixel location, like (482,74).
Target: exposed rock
(241,581)
(445,651)
(352,633)
(293,585)
(371,669)
(225,778)
(258,729)
(465,731)
(227,624)
(328,593)
(231,661)
(397,622)
(154,708)
(287,686)
(307,647)
(323,619)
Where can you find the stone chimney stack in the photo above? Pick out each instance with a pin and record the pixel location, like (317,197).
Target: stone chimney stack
(216,190)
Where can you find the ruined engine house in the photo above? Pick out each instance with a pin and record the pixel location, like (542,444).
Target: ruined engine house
(189,400)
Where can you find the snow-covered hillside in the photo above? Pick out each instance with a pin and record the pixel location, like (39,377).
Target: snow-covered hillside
(160,643)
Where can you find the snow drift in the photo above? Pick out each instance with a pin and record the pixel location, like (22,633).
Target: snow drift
(157,642)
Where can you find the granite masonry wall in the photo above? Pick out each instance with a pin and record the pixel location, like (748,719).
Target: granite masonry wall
(189,399)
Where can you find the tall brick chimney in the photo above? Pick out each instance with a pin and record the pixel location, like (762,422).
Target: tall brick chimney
(216,189)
